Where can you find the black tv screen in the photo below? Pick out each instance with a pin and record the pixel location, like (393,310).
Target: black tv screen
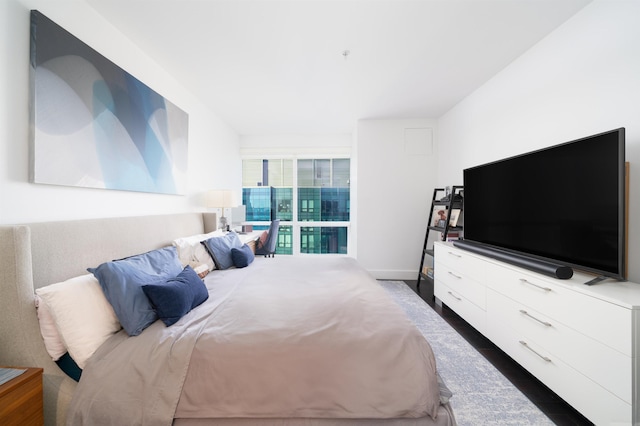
(565,204)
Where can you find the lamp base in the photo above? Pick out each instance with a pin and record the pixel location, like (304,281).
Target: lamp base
(223,224)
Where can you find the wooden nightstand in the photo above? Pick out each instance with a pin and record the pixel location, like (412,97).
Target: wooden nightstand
(21,399)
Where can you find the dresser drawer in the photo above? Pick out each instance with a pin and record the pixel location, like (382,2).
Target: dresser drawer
(462,283)
(469,311)
(602,321)
(587,356)
(460,261)
(592,400)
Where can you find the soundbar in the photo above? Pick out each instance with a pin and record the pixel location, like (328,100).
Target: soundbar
(544,267)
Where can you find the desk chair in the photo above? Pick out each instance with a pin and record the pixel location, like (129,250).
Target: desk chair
(268,249)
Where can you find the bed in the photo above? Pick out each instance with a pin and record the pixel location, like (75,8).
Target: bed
(271,381)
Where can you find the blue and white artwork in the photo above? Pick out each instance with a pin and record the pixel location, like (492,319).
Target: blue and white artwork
(95,125)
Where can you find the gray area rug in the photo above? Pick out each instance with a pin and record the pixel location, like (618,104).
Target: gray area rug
(481,394)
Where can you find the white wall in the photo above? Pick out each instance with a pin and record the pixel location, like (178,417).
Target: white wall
(392,179)
(296,143)
(580,80)
(395,177)
(584,78)
(214,160)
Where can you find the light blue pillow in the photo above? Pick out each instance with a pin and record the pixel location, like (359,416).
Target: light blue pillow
(177,296)
(242,257)
(122,281)
(220,249)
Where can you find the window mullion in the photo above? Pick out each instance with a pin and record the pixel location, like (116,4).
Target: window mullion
(295,224)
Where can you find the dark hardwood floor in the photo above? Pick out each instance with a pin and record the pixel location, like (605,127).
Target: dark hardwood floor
(548,402)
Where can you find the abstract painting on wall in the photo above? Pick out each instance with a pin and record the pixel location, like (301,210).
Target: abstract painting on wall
(95,125)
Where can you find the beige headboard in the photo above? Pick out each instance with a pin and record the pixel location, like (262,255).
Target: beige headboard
(39,254)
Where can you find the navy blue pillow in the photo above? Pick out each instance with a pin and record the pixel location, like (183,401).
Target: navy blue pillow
(177,296)
(220,249)
(122,281)
(69,366)
(242,257)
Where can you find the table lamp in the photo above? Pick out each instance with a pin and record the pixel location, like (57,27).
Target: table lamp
(221,199)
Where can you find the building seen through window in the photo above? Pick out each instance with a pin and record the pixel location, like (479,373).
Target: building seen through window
(322,195)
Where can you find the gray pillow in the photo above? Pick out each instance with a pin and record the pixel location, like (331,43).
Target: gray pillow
(220,249)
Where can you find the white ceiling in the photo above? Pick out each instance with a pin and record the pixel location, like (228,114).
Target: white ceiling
(277,67)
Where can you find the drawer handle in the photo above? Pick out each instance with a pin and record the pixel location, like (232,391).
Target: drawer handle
(523,312)
(454,296)
(522,280)
(454,275)
(454,254)
(523,343)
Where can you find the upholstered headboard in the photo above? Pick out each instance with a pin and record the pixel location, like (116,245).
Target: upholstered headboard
(39,254)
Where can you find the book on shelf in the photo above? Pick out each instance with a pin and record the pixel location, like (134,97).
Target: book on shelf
(454,217)
(428,271)
(453,236)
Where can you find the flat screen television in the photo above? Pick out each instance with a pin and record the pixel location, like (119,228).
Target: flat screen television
(563,204)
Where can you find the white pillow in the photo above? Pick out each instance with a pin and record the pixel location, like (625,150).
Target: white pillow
(83,316)
(52,340)
(191,251)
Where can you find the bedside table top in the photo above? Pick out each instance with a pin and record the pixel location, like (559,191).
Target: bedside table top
(21,399)
(17,381)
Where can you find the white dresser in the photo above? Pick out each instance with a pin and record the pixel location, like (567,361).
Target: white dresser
(583,342)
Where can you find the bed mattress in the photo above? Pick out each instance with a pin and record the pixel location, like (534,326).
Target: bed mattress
(285,339)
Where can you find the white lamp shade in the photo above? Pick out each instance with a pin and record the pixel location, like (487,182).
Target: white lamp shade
(220,198)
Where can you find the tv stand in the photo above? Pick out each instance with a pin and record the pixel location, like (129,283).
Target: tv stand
(581,341)
(596,280)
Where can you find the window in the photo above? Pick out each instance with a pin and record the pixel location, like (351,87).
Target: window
(311,197)
(323,240)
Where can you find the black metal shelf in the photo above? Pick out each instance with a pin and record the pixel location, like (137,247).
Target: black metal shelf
(447,230)
(457,204)
(453,200)
(426,277)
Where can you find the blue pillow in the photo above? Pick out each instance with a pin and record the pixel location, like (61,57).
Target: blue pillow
(242,257)
(177,296)
(122,281)
(220,249)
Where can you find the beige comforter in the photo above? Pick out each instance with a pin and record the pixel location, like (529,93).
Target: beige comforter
(284,337)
